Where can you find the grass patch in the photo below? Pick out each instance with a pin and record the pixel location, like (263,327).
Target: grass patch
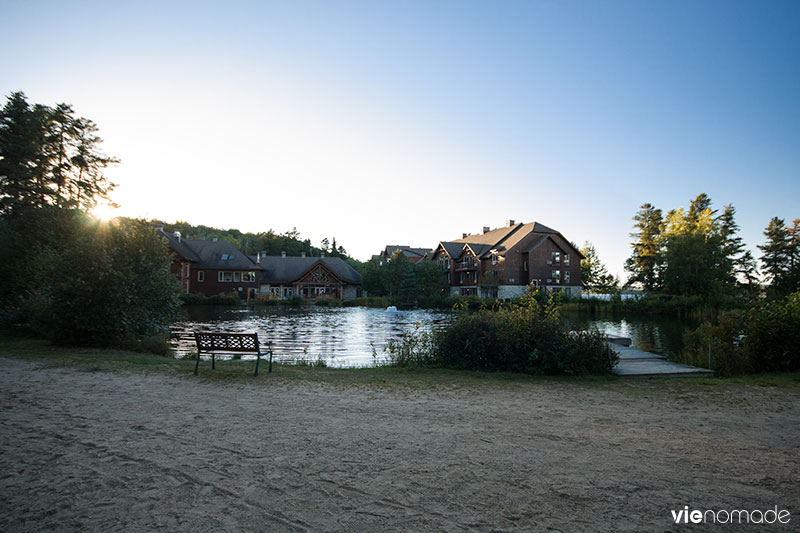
(237,371)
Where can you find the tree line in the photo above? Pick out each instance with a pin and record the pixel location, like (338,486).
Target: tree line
(698,252)
(51,157)
(66,275)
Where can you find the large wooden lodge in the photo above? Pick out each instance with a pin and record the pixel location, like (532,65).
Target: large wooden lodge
(503,262)
(212,267)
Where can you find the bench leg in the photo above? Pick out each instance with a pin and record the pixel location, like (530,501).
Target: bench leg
(213,361)
(258,360)
(197,364)
(270,359)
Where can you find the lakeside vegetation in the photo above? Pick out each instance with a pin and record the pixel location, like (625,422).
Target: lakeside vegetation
(48,355)
(75,280)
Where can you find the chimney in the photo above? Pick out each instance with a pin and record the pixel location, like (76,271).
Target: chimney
(177,235)
(283,254)
(463,235)
(510,223)
(302,254)
(258,258)
(486,229)
(214,238)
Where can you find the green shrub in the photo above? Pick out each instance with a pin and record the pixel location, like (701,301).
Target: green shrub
(724,338)
(525,336)
(773,335)
(764,339)
(412,349)
(223,298)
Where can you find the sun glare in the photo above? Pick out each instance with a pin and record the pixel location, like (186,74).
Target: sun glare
(105,211)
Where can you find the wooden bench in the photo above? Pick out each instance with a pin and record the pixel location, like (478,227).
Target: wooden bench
(229,344)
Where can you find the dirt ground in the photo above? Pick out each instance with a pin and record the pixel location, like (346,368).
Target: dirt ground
(106,451)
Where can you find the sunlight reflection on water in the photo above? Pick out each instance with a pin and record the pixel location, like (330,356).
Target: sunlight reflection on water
(342,337)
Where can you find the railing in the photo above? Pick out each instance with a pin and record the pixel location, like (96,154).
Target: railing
(466,265)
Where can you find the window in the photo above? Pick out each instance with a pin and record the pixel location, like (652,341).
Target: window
(220,276)
(566,259)
(494,258)
(556,257)
(525,266)
(237,277)
(201,276)
(224,257)
(248,276)
(556,276)
(566,276)
(227,277)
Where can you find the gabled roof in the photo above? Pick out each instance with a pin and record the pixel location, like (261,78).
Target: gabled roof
(503,239)
(291,268)
(408,251)
(218,255)
(480,250)
(179,246)
(453,249)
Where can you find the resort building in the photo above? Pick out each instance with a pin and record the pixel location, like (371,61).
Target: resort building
(502,262)
(214,267)
(413,254)
(308,277)
(211,267)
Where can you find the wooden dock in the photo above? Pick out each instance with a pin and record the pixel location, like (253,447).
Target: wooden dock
(638,363)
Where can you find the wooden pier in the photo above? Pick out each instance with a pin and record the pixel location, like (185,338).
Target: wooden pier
(638,363)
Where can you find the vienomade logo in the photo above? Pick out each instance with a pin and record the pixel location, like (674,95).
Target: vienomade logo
(736,516)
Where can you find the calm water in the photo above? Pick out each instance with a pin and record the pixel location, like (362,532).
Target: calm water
(358,336)
(656,335)
(345,336)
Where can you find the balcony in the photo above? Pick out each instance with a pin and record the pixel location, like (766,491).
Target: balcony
(466,265)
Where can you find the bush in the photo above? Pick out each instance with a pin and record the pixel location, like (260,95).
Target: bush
(724,338)
(83,282)
(525,336)
(773,335)
(764,339)
(223,298)
(412,349)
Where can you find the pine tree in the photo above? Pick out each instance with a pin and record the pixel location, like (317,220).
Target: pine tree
(643,263)
(594,275)
(776,258)
(49,157)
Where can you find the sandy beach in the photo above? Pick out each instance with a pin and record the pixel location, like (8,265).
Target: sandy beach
(111,451)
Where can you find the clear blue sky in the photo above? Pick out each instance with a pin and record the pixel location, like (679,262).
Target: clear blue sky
(412,122)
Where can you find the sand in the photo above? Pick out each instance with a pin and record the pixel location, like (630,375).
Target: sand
(97,451)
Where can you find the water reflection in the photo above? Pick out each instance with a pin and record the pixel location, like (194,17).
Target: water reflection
(357,336)
(342,337)
(656,335)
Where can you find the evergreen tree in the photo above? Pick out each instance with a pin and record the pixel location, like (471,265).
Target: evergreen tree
(776,256)
(594,275)
(48,156)
(643,263)
(781,259)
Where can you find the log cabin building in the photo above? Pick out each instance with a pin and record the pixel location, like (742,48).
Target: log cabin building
(214,267)
(308,277)
(503,262)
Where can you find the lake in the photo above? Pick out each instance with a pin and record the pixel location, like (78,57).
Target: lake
(358,336)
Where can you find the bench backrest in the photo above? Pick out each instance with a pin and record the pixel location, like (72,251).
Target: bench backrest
(227,342)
